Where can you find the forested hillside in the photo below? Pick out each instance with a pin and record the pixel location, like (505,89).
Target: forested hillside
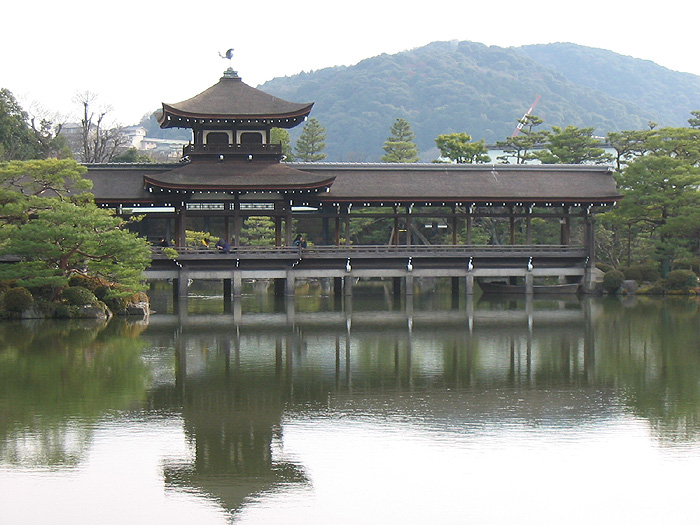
(468,87)
(667,95)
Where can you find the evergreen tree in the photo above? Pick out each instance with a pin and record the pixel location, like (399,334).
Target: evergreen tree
(459,148)
(399,147)
(572,145)
(311,142)
(16,137)
(520,146)
(281,136)
(57,237)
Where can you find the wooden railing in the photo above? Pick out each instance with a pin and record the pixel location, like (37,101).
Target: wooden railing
(377,251)
(233,148)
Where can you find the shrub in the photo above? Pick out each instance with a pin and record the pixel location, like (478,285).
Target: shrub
(78,296)
(17,299)
(681,280)
(62,311)
(603,267)
(91,283)
(642,273)
(613,280)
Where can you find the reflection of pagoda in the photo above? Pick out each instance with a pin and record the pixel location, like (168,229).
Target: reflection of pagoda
(233,421)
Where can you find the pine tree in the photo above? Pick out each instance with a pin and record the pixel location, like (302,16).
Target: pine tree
(311,142)
(399,147)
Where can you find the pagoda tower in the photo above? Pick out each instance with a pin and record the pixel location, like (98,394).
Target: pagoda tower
(232,121)
(232,169)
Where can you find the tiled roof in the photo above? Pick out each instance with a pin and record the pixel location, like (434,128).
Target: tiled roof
(231,98)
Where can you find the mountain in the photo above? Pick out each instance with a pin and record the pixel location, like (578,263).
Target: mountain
(447,87)
(668,95)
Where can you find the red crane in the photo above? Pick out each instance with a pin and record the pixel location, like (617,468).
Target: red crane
(521,122)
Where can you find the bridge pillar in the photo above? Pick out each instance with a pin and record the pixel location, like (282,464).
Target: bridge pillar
(408,284)
(347,285)
(182,282)
(529,283)
(237,284)
(469,288)
(289,285)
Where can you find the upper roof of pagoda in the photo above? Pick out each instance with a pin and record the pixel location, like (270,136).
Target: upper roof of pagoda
(231,101)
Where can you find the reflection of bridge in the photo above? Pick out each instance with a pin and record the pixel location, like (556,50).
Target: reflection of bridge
(345,264)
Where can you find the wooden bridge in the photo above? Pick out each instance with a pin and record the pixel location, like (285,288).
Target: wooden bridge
(346,264)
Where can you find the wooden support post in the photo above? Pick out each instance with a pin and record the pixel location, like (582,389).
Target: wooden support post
(528,228)
(227,295)
(180,216)
(288,225)
(237,222)
(337,286)
(469,228)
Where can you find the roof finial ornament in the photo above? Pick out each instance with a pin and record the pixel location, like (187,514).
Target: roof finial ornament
(229,73)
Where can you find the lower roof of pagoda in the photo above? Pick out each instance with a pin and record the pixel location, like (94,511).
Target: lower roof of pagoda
(232,176)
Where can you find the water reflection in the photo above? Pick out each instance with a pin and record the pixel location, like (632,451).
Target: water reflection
(238,385)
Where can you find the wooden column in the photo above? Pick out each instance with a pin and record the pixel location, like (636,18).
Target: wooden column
(237,222)
(565,228)
(278,231)
(469,228)
(180,219)
(288,225)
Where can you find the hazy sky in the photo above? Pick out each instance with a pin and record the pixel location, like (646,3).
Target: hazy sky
(137,54)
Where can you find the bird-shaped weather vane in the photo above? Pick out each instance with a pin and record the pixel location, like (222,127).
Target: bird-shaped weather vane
(229,73)
(229,55)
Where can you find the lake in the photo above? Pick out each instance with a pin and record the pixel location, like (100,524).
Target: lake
(379,409)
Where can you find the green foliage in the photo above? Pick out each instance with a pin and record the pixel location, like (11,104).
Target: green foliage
(572,145)
(78,296)
(132,155)
(170,253)
(64,235)
(681,280)
(613,280)
(458,147)
(642,273)
(258,231)
(520,147)
(17,299)
(281,136)
(16,138)
(399,147)
(311,143)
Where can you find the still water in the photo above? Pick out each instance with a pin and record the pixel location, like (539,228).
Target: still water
(373,411)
